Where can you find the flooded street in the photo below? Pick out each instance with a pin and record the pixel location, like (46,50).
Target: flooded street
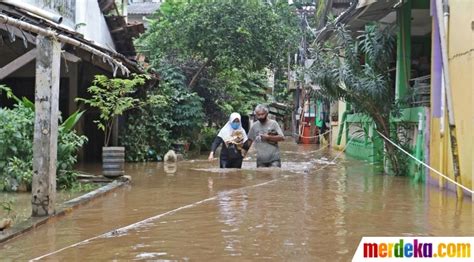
(311,209)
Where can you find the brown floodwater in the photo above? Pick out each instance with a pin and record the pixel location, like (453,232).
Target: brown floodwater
(313,208)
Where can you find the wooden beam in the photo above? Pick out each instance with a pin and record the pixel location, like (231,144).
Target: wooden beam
(73,89)
(17,63)
(45,138)
(117,30)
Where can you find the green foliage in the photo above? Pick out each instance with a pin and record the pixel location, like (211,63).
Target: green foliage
(72,120)
(21,170)
(16,146)
(176,114)
(222,48)
(67,180)
(8,92)
(146,130)
(211,57)
(68,144)
(341,74)
(243,90)
(207,137)
(82,187)
(248,34)
(16,134)
(23,101)
(281,93)
(7,206)
(112,97)
(185,106)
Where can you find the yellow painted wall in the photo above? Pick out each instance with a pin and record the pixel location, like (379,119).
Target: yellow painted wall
(461,66)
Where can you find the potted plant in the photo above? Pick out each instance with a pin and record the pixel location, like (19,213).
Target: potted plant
(112,97)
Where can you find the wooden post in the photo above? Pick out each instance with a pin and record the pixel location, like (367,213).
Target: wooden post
(73,89)
(46,126)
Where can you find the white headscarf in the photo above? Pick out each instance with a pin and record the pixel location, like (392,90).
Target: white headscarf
(227,130)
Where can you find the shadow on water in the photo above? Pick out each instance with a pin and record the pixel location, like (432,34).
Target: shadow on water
(314,207)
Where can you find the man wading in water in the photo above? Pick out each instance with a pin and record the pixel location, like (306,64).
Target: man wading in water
(266,133)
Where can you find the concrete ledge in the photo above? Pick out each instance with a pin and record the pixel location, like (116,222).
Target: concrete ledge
(65,208)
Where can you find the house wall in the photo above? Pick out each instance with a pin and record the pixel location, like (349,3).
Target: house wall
(66,8)
(95,29)
(82,16)
(461,68)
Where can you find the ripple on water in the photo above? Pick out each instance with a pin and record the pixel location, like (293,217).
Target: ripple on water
(148,255)
(293,167)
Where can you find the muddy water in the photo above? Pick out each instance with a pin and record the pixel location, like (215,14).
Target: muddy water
(311,209)
(20,202)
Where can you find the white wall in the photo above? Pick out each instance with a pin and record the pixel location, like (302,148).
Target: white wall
(80,11)
(88,12)
(65,8)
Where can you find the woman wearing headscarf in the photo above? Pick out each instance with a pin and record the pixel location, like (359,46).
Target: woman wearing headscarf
(232,137)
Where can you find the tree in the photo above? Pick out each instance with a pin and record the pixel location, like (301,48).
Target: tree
(212,39)
(341,74)
(112,97)
(151,129)
(221,34)
(243,90)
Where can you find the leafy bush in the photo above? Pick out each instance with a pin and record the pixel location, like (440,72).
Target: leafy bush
(68,144)
(232,90)
(152,128)
(16,147)
(21,171)
(16,134)
(146,131)
(207,137)
(112,97)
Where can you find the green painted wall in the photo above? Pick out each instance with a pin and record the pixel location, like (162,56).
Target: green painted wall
(368,145)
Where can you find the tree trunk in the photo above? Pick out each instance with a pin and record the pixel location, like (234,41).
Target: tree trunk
(195,78)
(323,16)
(392,153)
(393,157)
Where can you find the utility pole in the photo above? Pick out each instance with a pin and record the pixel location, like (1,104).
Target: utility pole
(303,12)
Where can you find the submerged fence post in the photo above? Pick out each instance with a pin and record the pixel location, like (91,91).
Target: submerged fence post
(46,126)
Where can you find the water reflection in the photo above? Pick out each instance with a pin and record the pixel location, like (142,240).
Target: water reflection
(232,209)
(170,168)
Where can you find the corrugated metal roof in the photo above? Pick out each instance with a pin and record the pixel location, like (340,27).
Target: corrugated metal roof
(143,8)
(18,13)
(356,17)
